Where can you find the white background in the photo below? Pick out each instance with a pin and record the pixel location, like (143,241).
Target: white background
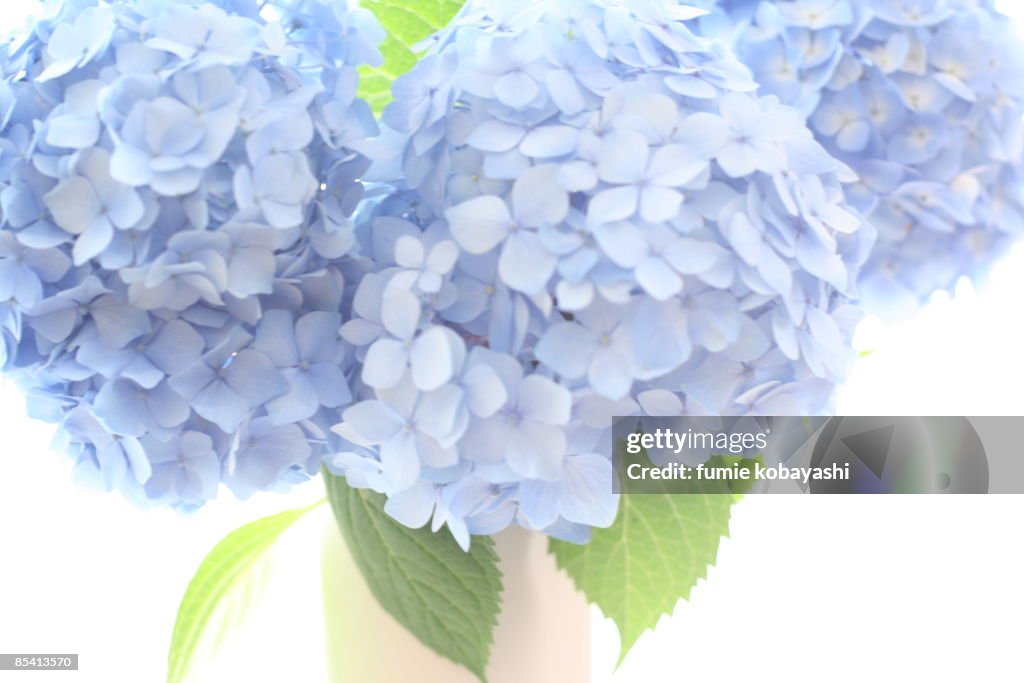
(806,588)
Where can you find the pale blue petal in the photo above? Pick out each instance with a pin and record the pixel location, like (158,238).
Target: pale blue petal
(675,165)
(431,359)
(330,384)
(400,462)
(73,204)
(495,136)
(623,158)
(536,451)
(623,243)
(657,279)
(316,334)
(373,420)
(136,457)
(659,204)
(166,406)
(385,363)
(92,241)
(546,142)
(538,502)
(609,373)
(586,491)
(485,392)
(414,506)
(543,400)
(515,89)
(254,378)
(537,197)
(219,404)
(264,452)
(567,349)
(660,402)
(251,271)
(775,271)
(121,406)
(298,402)
(275,337)
(737,159)
(615,204)
(126,210)
(175,346)
(400,313)
(525,265)
(118,323)
(437,411)
(717,322)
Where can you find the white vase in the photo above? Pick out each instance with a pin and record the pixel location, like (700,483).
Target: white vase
(543,632)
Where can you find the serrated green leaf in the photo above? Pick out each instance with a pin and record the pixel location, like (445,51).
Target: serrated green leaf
(406,22)
(447,598)
(657,550)
(223,571)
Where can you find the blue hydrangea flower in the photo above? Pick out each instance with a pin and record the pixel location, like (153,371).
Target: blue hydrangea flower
(177,183)
(923,99)
(588,209)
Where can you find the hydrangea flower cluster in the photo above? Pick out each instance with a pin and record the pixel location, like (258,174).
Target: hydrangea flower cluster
(178,180)
(923,99)
(598,216)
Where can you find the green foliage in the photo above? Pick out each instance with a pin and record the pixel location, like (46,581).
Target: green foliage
(406,22)
(446,597)
(659,547)
(225,572)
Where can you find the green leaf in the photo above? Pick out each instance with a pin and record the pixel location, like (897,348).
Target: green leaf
(657,550)
(406,22)
(447,598)
(226,570)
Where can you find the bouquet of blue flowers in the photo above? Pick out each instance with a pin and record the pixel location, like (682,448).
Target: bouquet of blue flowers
(222,261)
(589,222)
(178,187)
(927,114)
